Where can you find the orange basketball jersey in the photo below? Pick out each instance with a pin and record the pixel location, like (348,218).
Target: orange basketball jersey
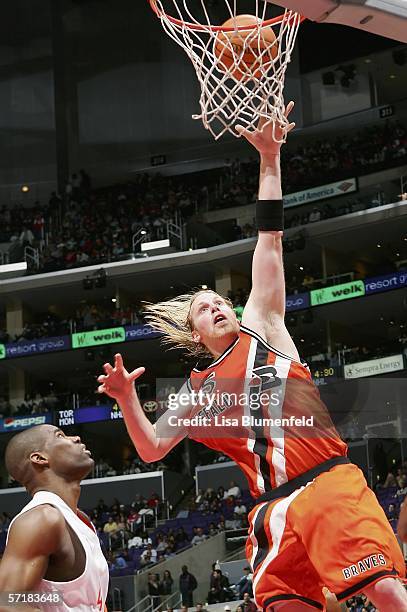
(261,408)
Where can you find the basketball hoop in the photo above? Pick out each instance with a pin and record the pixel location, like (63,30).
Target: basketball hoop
(240,65)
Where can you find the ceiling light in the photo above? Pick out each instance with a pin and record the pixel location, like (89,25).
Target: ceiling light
(392,76)
(368,60)
(114,300)
(25,189)
(301,268)
(204,286)
(378,245)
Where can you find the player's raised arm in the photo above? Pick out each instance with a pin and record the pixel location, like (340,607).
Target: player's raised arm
(265,309)
(33,538)
(152,442)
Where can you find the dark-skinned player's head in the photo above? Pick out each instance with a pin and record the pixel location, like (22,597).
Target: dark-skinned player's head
(37,456)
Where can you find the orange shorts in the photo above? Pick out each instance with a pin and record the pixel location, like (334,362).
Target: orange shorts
(332,533)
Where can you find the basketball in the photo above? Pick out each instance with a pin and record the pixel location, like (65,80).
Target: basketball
(245,53)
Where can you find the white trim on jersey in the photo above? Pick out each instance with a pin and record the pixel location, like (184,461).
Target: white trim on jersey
(251,440)
(282,366)
(277,525)
(219,359)
(249,331)
(252,535)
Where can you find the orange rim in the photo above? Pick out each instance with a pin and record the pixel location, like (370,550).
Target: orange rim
(203,28)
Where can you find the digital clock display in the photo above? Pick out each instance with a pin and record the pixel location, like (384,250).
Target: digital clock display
(322,376)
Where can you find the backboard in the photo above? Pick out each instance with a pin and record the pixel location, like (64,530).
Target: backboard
(384,17)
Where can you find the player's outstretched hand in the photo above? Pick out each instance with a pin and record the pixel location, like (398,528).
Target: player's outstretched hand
(265,138)
(117,382)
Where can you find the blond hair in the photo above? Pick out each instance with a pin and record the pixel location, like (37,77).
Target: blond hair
(173,319)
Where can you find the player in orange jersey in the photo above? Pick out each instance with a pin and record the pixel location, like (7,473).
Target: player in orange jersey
(316,523)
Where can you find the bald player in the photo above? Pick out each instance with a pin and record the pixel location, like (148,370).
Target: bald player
(51,545)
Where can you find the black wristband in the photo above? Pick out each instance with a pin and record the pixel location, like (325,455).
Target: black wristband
(270,215)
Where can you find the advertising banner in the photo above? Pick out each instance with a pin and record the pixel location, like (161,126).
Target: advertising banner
(26,348)
(337,293)
(140,332)
(387,282)
(374,367)
(17,423)
(297,301)
(98,337)
(320,193)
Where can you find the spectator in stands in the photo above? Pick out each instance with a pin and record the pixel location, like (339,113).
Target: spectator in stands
(240,508)
(219,588)
(210,495)
(187,585)
(166,583)
(145,559)
(133,515)
(221,524)
(391,512)
(145,538)
(233,490)
(234,523)
(315,215)
(248,604)
(161,542)
(119,561)
(199,536)
(146,514)
(221,493)
(200,608)
(181,538)
(212,529)
(153,585)
(245,584)
(215,594)
(110,527)
(149,552)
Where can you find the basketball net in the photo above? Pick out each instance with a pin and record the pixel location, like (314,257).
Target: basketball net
(227,100)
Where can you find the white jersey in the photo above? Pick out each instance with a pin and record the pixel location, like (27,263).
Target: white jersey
(88,592)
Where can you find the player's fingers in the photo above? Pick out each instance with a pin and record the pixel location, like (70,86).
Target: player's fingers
(102,378)
(289,108)
(108,368)
(136,373)
(290,127)
(262,122)
(101,389)
(245,133)
(118,361)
